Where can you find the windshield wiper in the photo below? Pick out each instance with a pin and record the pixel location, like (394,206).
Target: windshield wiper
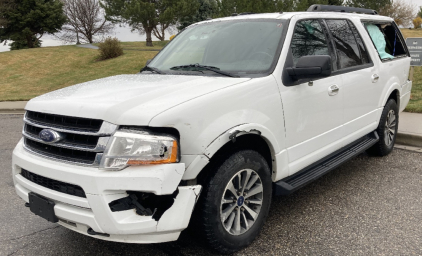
(154,70)
(210,68)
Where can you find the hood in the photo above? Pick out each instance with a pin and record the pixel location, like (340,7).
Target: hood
(128,99)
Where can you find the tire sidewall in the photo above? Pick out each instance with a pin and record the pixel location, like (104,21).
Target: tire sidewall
(245,159)
(391,105)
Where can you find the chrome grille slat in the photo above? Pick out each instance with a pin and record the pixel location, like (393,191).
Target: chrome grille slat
(105,130)
(77,146)
(99,146)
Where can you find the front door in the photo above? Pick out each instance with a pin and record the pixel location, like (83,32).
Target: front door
(313,110)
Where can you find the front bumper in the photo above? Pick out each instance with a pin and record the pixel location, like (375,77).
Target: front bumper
(102,187)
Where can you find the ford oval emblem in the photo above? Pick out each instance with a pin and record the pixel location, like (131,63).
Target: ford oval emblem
(50,136)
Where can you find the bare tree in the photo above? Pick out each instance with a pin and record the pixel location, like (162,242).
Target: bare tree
(401,11)
(161,28)
(85,21)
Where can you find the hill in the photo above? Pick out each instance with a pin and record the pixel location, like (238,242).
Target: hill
(28,73)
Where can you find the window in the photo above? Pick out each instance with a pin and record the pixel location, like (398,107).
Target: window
(308,39)
(347,48)
(238,46)
(386,40)
(362,49)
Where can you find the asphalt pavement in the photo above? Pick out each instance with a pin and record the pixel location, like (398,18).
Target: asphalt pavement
(369,206)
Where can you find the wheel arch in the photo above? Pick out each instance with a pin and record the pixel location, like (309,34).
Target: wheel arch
(247,136)
(393,92)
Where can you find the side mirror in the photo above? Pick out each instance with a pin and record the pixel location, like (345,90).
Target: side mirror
(312,66)
(148,61)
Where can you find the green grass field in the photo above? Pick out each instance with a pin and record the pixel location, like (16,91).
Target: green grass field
(28,73)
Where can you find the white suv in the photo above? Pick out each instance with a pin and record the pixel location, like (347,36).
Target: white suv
(242,108)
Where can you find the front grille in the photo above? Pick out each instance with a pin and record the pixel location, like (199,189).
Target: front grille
(65,154)
(70,138)
(65,122)
(82,142)
(55,185)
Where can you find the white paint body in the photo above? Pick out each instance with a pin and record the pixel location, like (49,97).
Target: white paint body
(301,125)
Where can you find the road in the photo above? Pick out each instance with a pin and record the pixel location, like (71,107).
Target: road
(369,206)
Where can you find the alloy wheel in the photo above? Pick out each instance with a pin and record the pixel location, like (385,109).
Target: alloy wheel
(241,202)
(390,128)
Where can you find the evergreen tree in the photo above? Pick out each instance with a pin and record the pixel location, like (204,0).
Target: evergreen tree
(21,43)
(207,9)
(420,12)
(29,20)
(335,2)
(368,4)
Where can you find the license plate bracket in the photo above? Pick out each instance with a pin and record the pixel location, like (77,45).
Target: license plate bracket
(42,207)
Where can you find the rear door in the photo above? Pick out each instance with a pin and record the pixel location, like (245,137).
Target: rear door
(358,76)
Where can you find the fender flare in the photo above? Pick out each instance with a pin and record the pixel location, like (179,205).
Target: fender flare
(240,130)
(393,87)
(201,161)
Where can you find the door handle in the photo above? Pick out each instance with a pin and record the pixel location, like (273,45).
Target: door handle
(333,90)
(375,78)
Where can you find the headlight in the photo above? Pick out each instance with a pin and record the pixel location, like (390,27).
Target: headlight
(138,148)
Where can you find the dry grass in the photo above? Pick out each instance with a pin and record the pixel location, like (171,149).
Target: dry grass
(411,32)
(25,74)
(415,103)
(140,46)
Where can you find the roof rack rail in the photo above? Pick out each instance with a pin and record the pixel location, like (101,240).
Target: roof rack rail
(336,8)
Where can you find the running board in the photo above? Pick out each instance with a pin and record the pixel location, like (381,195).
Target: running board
(325,165)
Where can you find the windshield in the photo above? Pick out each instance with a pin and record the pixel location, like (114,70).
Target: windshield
(236,46)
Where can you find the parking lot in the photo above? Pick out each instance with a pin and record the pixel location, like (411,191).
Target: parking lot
(369,206)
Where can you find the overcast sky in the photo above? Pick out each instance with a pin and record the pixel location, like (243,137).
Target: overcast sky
(125,35)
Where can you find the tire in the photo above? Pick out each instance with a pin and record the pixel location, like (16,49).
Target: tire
(211,213)
(387,130)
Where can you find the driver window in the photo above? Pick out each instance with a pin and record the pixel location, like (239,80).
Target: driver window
(308,39)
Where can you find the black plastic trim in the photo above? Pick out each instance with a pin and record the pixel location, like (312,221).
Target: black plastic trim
(91,232)
(325,165)
(55,185)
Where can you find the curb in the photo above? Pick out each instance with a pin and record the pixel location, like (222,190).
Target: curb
(12,107)
(12,111)
(409,139)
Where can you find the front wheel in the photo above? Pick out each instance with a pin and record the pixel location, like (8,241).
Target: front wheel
(387,130)
(235,201)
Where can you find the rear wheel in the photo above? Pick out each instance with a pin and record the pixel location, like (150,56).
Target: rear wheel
(387,130)
(235,201)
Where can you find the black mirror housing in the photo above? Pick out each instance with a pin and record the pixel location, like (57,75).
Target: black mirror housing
(312,66)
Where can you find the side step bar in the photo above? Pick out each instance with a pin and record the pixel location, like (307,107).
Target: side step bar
(325,165)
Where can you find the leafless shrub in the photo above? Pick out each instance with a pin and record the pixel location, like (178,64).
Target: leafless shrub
(110,48)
